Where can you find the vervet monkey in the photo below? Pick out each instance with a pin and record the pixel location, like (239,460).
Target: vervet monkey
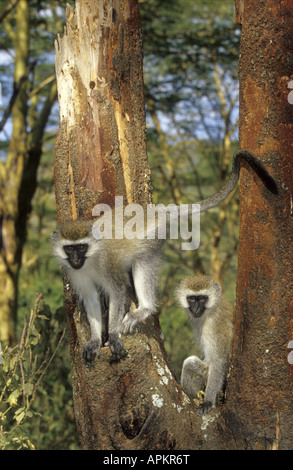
(211,318)
(122,269)
(120,266)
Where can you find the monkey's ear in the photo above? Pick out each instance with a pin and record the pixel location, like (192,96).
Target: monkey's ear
(218,288)
(54,235)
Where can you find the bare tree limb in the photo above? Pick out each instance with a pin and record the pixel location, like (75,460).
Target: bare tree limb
(7,9)
(41,85)
(16,88)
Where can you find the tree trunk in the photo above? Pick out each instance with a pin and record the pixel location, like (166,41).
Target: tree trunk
(18,174)
(10,180)
(259,391)
(136,403)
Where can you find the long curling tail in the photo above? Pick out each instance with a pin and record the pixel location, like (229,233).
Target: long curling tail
(259,169)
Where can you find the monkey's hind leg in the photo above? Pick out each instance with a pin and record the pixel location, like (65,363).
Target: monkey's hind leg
(94,316)
(116,313)
(216,376)
(144,278)
(193,375)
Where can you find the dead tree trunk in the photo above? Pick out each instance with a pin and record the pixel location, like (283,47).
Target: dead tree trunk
(259,392)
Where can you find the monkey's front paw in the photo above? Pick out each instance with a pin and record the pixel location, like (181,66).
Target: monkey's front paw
(131,319)
(90,350)
(116,346)
(204,408)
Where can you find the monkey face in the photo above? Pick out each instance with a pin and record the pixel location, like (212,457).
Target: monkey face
(76,254)
(197,304)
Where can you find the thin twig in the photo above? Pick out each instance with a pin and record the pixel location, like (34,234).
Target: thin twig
(22,336)
(49,362)
(23,381)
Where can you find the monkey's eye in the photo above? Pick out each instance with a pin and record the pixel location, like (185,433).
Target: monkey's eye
(82,248)
(202,299)
(197,298)
(68,248)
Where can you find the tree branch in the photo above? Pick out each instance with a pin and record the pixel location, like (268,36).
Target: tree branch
(7,9)
(41,85)
(16,88)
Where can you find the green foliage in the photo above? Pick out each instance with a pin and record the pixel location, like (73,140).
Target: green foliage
(40,271)
(53,426)
(47,19)
(183,39)
(23,368)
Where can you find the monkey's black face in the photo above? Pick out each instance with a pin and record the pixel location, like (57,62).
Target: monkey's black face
(197,304)
(76,255)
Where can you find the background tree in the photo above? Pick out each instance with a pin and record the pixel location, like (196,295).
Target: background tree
(32,98)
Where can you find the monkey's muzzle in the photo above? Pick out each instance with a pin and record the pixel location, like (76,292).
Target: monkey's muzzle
(197,304)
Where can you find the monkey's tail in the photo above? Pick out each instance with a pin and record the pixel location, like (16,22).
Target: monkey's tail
(230,184)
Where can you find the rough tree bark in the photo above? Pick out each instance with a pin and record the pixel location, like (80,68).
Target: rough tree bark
(259,391)
(136,403)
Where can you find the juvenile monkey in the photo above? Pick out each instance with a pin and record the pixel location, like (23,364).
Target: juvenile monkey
(211,318)
(119,266)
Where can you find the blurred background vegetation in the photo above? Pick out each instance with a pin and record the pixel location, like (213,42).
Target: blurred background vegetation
(191,52)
